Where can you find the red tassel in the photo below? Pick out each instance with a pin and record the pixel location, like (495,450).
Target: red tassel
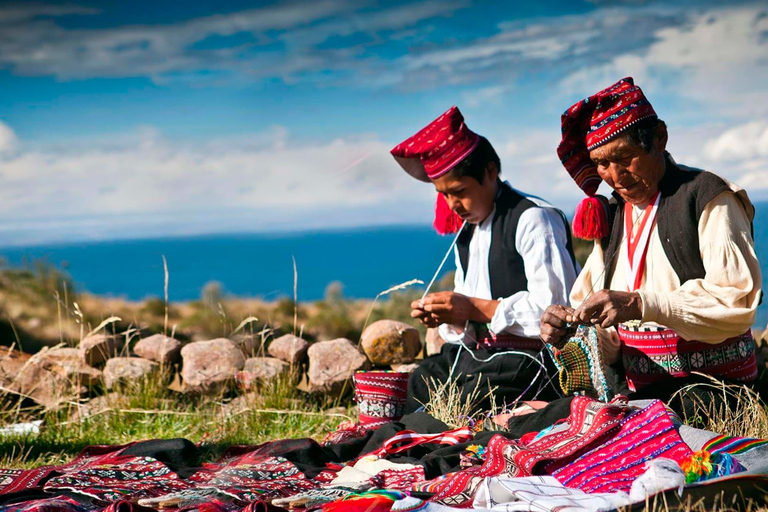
(446,220)
(590,222)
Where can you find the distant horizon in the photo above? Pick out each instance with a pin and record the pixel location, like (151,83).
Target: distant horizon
(275,233)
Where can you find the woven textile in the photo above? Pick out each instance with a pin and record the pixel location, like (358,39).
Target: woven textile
(733,445)
(590,423)
(651,354)
(580,364)
(488,339)
(612,466)
(380,397)
(595,121)
(437,148)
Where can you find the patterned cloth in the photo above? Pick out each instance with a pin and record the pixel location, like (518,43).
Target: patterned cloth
(590,423)
(651,354)
(380,397)
(489,339)
(613,466)
(581,365)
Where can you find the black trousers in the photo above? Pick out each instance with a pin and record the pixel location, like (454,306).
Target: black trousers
(512,375)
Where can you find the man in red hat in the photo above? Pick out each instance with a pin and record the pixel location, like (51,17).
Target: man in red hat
(513,259)
(673,282)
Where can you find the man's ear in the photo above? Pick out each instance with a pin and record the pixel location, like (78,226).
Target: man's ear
(491,171)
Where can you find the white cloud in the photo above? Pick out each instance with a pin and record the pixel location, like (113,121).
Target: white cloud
(8,140)
(281,40)
(264,182)
(717,58)
(743,142)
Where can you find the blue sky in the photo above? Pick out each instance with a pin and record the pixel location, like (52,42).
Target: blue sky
(132,119)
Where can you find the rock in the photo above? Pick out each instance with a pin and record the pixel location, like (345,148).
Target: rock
(11,363)
(209,365)
(289,348)
(69,363)
(434,343)
(389,342)
(97,348)
(405,368)
(260,368)
(159,348)
(332,363)
(127,370)
(47,387)
(265,367)
(240,404)
(249,345)
(98,405)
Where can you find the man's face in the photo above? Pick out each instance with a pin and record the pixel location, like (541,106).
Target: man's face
(629,170)
(471,200)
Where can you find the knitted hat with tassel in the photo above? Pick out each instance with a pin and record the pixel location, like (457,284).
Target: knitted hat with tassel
(587,125)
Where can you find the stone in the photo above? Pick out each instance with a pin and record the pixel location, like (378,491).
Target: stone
(405,368)
(434,343)
(69,363)
(11,363)
(332,364)
(260,368)
(127,370)
(388,342)
(289,348)
(44,386)
(97,348)
(265,367)
(159,348)
(240,404)
(249,345)
(98,405)
(209,365)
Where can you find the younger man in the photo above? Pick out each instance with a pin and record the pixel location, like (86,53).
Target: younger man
(513,259)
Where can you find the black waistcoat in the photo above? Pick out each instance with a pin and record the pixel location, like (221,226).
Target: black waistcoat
(505,265)
(684,195)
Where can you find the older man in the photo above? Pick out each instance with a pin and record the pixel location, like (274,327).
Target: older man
(674,282)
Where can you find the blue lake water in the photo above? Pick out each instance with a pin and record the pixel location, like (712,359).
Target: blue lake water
(366,261)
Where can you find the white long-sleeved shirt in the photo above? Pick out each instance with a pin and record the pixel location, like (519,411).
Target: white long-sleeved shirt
(718,306)
(541,240)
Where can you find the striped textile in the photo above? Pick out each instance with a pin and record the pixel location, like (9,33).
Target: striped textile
(651,354)
(407,439)
(732,445)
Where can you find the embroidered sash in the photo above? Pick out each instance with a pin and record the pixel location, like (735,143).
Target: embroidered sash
(651,354)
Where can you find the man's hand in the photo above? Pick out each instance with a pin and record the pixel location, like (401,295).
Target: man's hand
(426,318)
(554,324)
(452,308)
(607,308)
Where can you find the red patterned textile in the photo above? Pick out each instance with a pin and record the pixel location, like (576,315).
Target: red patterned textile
(613,466)
(437,148)
(594,121)
(407,439)
(589,424)
(651,354)
(488,339)
(380,397)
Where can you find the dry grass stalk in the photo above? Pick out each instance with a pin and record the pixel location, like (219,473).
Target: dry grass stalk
(446,403)
(740,413)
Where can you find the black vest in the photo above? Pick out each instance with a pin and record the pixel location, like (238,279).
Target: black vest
(684,195)
(506,267)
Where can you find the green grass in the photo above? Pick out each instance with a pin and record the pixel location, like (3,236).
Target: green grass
(151,411)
